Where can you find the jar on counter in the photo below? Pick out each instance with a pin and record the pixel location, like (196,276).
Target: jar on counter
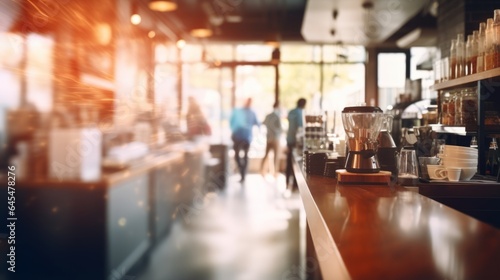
(451,107)
(445,100)
(430,115)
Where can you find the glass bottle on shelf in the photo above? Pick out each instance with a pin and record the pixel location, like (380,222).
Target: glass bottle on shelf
(492,158)
(481,38)
(460,50)
(468,49)
(488,47)
(473,52)
(496,38)
(453,59)
(470,55)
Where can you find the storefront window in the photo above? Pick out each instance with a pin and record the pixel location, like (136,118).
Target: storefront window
(253,52)
(391,78)
(300,53)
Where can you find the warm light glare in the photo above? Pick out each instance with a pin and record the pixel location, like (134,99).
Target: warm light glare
(274,44)
(162,5)
(103,33)
(181,43)
(201,32)
(135,19)
(151,34)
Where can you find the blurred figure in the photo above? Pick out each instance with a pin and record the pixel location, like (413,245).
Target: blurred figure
(294,123)
(197,124)
(273,126)
(242,121)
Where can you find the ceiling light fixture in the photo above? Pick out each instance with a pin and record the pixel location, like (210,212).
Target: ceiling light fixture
(202,32)
(162,5)
(180,43)
(201,29)
(135,18)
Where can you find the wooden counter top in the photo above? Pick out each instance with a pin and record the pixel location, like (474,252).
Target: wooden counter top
(379,232)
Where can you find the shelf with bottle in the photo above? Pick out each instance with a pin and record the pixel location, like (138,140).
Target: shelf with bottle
(469,80)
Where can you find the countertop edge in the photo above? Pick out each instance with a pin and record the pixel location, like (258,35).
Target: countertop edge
(330,261)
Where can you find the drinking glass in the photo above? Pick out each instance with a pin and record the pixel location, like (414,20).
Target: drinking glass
(408,167)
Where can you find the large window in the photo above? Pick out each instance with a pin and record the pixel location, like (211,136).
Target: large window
(329,77)
(391,78)
(38,70)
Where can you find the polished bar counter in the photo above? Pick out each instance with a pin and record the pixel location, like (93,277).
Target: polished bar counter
(390,232)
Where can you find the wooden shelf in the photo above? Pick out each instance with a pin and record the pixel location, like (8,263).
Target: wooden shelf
(460,82)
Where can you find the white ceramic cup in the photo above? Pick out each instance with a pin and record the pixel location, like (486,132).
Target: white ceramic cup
(453,173)
(436,171)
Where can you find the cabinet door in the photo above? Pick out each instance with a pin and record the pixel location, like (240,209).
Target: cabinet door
(127,224)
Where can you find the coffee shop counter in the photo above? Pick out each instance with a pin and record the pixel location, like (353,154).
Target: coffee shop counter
(101,229)
(360,231)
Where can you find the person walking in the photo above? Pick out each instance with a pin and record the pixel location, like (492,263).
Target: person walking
(241,122)
(294,123)
(273,126)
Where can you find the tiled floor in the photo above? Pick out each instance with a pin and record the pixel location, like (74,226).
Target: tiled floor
(251,230)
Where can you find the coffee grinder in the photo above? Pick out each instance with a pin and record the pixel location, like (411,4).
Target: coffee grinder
(362,125)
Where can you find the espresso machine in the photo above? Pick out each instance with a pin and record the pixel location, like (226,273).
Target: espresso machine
(362,125)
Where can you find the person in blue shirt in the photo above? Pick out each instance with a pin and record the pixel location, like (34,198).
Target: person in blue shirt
(241,122)
(294,122)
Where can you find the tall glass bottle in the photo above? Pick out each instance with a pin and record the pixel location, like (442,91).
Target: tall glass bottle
(488,47)
(460,54)
(468,55)
(481,38)
(453,59)
(474,52)
(496,38)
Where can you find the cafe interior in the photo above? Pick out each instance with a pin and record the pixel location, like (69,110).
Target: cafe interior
(104,177)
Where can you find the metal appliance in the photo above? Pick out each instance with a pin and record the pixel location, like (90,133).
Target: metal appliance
(362,125)
(387,150)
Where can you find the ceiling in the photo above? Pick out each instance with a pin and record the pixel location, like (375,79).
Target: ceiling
(360,22)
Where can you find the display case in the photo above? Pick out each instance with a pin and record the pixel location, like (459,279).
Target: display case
(488,112)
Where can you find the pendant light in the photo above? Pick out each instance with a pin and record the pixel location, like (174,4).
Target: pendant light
(201,29)
(135,17)
(162,5)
